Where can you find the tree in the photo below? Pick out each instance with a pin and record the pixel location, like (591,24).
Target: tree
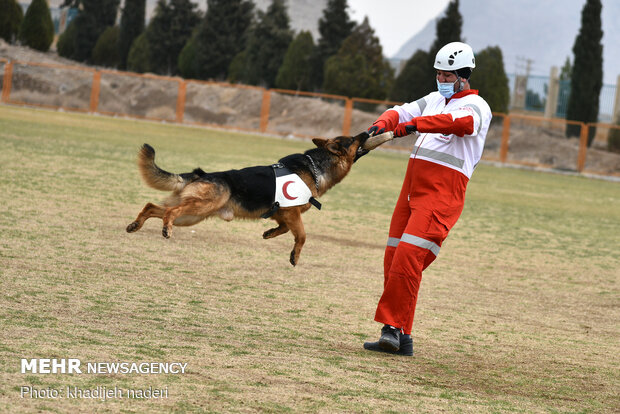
(359,68)
(412,79)
(566,70)
(447,30)
(10,19)
(334,27)
(139,55)
(93,18)
(222,34)
(170,29)
(490,79)
(238,71)
(295,72)
(66,41)
(267,45)
(132,25)
(106,51)
(187,62)
(37,28)
(587,75)
(418,78)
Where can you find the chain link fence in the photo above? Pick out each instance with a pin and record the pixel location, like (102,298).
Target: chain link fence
(517,138)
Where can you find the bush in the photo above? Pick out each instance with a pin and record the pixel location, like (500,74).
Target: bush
(412,79)
(139,55)
(238,68)
(106,51)
(613,139)
(295,72)
(66,41)
(37,29)
(132,24)
(11,20)
(490,79)
(187,63)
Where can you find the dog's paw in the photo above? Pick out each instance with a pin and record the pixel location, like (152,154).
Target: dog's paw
(165,232)
(293,259)
(268,233)
(133,227)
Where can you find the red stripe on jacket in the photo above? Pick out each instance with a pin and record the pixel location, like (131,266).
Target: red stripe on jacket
(444,124)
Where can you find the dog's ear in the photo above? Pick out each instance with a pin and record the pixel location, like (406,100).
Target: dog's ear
(319,142)
(329,144)
(334,147)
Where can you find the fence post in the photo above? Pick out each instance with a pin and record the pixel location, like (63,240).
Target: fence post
(616,113)
(583,147)
(520,92)
(503,149)
(553,93)
(94,92)
(181,100)
(348,112)
(7,82)
(264,110)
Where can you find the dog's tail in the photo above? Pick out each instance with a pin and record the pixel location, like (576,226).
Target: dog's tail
(157,178)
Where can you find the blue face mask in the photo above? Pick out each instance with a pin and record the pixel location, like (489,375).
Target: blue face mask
(446,89)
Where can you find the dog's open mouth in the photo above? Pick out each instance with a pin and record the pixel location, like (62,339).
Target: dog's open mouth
(360,149)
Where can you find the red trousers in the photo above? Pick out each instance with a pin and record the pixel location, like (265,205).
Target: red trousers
(430,202)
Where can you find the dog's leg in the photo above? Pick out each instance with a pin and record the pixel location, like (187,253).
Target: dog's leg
(292,219)
(149,210)
(188,207)
(276,231)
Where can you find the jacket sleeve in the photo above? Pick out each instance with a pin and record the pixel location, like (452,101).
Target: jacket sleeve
(408,111)
(465,120)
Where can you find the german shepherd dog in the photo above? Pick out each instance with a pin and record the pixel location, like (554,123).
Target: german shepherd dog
(247,193)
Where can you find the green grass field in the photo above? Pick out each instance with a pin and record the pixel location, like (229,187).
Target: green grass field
(519,313)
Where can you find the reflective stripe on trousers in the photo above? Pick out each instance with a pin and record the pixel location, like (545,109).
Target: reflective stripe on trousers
(416,241)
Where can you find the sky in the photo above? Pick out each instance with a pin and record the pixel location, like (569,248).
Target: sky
(396,21)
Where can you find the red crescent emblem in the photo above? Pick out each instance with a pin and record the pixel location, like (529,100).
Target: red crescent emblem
(286,194)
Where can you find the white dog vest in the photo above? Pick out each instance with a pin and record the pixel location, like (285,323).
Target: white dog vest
(291,191)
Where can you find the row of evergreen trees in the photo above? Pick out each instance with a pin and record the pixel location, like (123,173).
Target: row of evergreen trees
(232,41)
(35,29)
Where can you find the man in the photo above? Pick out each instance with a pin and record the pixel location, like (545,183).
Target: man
(452,124)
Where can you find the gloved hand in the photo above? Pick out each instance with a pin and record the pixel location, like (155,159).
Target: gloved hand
(405,128)
(386,122)
(375,130)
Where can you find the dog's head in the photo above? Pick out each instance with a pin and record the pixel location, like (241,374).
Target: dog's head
(349,148)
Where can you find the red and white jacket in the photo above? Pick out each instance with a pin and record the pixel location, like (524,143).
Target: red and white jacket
(459,128)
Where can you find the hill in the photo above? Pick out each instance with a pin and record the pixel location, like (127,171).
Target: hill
(304,14)
(543,31)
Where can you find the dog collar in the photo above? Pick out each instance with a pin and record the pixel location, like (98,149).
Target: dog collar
(315,172)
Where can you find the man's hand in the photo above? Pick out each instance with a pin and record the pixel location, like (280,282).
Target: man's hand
(376,130)
(386,122)
(405,128)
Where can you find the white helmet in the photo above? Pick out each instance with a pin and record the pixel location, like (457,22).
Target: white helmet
(455,55)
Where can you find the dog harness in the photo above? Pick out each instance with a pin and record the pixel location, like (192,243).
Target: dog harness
(291,190)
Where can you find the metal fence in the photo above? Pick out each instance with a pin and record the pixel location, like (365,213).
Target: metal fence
(513,138)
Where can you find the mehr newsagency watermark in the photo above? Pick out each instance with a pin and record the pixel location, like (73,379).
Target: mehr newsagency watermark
(41,366)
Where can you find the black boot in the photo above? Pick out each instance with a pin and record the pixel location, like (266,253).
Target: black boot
(405,343)
(390,339)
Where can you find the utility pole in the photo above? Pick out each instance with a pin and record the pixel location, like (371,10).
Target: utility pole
(522,73)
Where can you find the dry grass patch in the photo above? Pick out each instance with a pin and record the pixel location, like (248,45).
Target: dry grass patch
(518,314)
